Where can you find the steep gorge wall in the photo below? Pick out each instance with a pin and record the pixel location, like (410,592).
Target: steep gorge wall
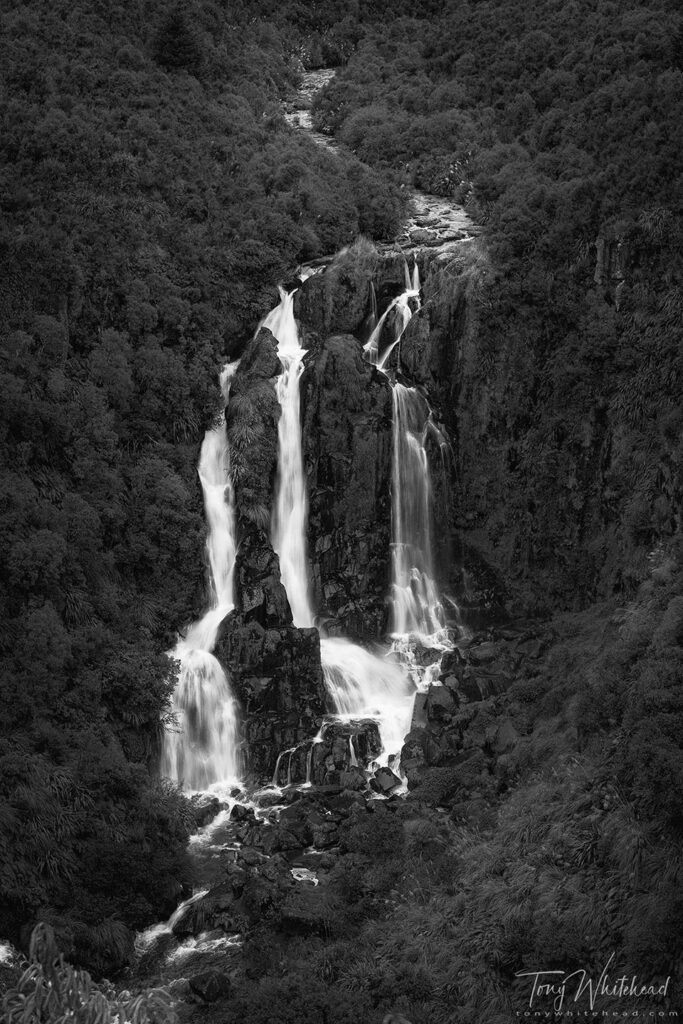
(532,508)
(565,449)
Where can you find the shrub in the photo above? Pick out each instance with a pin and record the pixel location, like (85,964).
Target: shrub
(50,991)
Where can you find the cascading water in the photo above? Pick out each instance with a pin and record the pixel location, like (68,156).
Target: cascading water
(412,280)
(289,519)
(363,685)
(203,749)
(400,309)
(360,684)
(416,605)
(416,283)
(417,609)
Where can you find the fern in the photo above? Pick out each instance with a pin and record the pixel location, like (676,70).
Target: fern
(50,991)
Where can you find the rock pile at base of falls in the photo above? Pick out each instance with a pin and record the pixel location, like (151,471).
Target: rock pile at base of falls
(277,868)
(469,729)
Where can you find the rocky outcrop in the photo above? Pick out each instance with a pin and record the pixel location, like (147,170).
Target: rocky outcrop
(338,300)
(252,417)
(274,668)
(260,595)
(348,446)
(204,808)
(468,729)
(210,986)
(277,677)
(339,758)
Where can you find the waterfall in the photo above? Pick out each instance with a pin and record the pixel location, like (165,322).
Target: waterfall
(289,518)
(360,684)
(416,605)
(402,313)
(203,750)
(416,283)
(363,685)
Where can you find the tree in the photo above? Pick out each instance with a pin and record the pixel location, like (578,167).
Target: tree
(177,47)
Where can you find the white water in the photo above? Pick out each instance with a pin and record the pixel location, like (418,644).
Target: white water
(144,940)
(412,280)
(361,684)
(203,749)
(291,506)
(416,283)
(416,604)
(400,309)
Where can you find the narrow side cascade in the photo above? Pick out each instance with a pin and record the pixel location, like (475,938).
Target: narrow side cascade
(360,684)
(291,506)
(412,280)
(399,309)
(204,748)
(416,604)
(416,283)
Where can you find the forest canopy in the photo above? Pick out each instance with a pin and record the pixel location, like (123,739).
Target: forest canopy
(152,198)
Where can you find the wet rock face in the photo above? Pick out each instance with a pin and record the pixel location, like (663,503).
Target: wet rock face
(204,808)
(260,595)
(274,668)
(277,677)
(338,299)
(348,450)
(252,419)
(336,760)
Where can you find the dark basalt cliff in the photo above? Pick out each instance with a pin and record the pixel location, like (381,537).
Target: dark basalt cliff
(555,488)
(531,510)
(348,445)
(348,439)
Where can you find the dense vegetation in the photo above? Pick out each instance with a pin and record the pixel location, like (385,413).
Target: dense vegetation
(50,991)
(558,125)
(438,901)
(152,197)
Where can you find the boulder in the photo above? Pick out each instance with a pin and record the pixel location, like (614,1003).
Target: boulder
(384,781)
(241,813)
(484,654)
(204,808)
(419,750)
(308,910)
(442,703)
(210,986)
